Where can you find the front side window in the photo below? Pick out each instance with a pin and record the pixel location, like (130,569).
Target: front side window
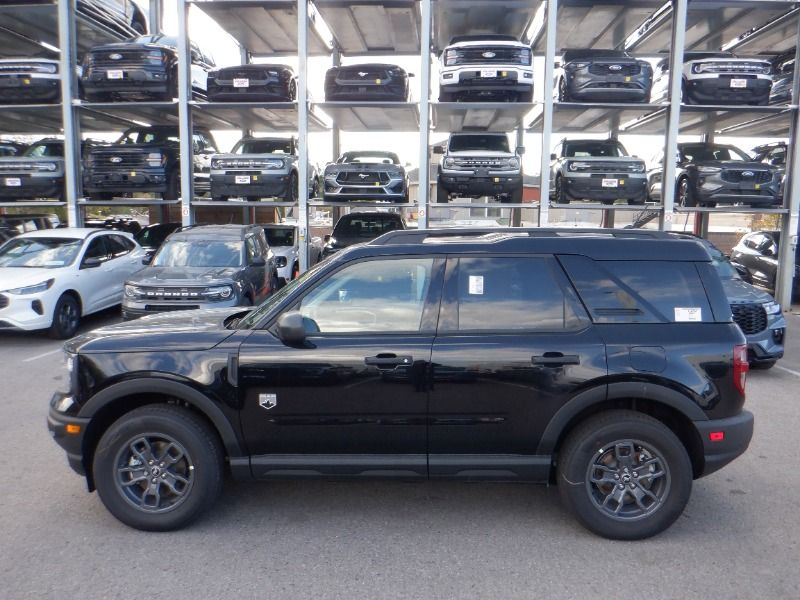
(199,253)
(370,297)
(97,249)
(511,294)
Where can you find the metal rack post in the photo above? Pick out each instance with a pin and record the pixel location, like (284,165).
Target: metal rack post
(155,16)
(423,191)
(72,138)
(185,115)
(302,131)
(547,112)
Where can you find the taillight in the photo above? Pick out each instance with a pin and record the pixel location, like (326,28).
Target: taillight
(740,367)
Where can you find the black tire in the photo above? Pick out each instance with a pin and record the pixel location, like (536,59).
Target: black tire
(685,97)
(763,365)
(684,193)
(66,318)
(442,197)
(563,94)
(621,447)
(292,191)
(219,198)
(187,461)
(173,186)
(560,194)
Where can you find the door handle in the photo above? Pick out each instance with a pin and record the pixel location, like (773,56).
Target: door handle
(388,361)
(556,359)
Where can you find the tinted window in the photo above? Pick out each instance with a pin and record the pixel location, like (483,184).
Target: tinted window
(198,253)
(97,249)
(496,143)
(264,147)
(367,226)
(370,158)
(155,235)
(704,152)
(510,293)
(369,297)
(591,148)
(118,245)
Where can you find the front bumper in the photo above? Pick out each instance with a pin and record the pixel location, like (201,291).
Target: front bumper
(767,345)
(21,88)
(220,90)
(136,81)
(133,309)
(394,191)
(738,431)
(39,186)
(468,80)
(630,186)
(582,85)
(72,443)
(30,312)
(470,185)
(714,189)
(125,181)
(261,185)
(718,90)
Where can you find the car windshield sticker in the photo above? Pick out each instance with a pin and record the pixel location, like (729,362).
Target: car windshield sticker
(688,314)
(476,285)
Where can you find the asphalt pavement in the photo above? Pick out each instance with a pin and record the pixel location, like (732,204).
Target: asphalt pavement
(737,539)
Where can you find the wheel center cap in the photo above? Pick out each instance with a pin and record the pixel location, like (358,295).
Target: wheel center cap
(155,471)
(626,478)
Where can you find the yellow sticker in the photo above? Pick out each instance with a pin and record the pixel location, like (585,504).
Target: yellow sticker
(26,81)
(133,174)
(627,78)
(622,182)
(758,186)
(378,81)
(497,180)
(503,73)
(377,183)
(255,177)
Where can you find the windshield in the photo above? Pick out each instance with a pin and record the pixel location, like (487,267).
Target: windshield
(154,236)
(280,237)
(388,158)
(48,253)
(275,299)
(45,149)
(199,253)
(704,152)
(364,227)
(264,147)
(599,149)
(494,143)
(571,55)
(154,135)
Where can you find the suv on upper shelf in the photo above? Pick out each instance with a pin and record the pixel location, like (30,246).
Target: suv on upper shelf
(145,67)
(146,159)
(486,67)
(29,80)
(717,78)
(252,82)
(366,175)
(603,76)
(208,266)
(538,355)
(260,168)
(12,148)
(596,170)
(361,227)
(710,173)
(368,82)
(479,164)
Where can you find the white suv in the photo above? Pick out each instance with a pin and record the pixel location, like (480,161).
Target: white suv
(49,279)
(486,67)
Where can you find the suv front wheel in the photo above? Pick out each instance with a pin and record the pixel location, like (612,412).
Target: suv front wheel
(624,475)
(158,468)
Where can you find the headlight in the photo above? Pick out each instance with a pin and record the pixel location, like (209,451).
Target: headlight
(131,291)
(576,65)
(156,56)
(772,308)
(32,289)
(575,166)
(450,57)
(216,164)
(273,163)
(155,159)
(708,170)
(513,163)
(47,68)
(221,291)
(449,162)
(331,174)
(637,167)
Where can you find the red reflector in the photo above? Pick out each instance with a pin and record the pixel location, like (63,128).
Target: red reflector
(716,436)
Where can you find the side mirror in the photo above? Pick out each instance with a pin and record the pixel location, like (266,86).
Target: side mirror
(91,263)
(553,156)
(411,75)
(327,238)
(291,329)
(258,261)
(438,149)
(520,150)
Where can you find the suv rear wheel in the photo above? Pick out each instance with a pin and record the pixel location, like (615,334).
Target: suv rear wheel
(624,475)
(158,468)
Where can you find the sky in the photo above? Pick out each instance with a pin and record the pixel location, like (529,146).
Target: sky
(406,144)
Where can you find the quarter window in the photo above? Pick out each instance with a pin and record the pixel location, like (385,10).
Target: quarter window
(370,297)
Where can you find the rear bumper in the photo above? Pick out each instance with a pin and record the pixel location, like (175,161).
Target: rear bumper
(738,431)
(136,81)
(125,181)
(585,86)
(256,92)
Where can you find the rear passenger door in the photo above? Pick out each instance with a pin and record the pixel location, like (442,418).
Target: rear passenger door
(512,346)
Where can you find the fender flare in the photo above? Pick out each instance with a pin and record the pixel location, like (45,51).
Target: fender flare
(613,391)
(154,385)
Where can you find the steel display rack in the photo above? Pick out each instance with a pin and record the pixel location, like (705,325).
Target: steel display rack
(421,28)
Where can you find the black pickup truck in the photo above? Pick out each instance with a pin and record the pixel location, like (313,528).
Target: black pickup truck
(146,159)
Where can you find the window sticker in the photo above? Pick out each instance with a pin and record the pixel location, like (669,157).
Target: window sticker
(690,314)
(476,285)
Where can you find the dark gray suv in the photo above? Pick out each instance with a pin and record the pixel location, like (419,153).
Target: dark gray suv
(204,267)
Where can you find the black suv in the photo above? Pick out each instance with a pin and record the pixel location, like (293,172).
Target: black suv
(603,76)
(360,227)
(146,159)
(538,355)
(209,266)
(710,173)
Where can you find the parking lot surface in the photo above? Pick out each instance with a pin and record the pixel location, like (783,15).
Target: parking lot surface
(737,539)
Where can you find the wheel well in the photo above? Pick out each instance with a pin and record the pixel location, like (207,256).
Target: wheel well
(113,411)
(77,298)
(676,421)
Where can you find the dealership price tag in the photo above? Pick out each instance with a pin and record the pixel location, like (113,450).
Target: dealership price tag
(488,72)
(609,183)
(688,315)
(13,182)
(738,83)
(114,74)
(476,285)
(241,82)
(245,179)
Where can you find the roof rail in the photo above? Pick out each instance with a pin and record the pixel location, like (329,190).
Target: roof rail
(419,236)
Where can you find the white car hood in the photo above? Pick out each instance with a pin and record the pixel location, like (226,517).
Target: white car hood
(282,250)
(484,43)
(463,153)
(17,277)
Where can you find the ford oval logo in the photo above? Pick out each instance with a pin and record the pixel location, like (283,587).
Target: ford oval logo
(615,67)
(488,55)
(115,56)
(115,159)
(747,173)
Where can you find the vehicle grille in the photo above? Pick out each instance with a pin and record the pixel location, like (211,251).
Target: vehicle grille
(477,56)
(173,293)
(738,176)
(605,69)
(735,67)
(751,318)
(355,74)
(3,301)
(102,58)
(117,159)
(360,178)
(168,307)
(611,167)
(468,163)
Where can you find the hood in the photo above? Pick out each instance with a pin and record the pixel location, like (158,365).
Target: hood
(133,45)
(17,277)
(741,292)
(480,153)
(187,330)
(161,276)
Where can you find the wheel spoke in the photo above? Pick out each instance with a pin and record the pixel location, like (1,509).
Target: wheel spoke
(171,455)
(176,483)
(623,453)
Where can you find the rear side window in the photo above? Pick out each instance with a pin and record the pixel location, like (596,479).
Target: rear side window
(639,291)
